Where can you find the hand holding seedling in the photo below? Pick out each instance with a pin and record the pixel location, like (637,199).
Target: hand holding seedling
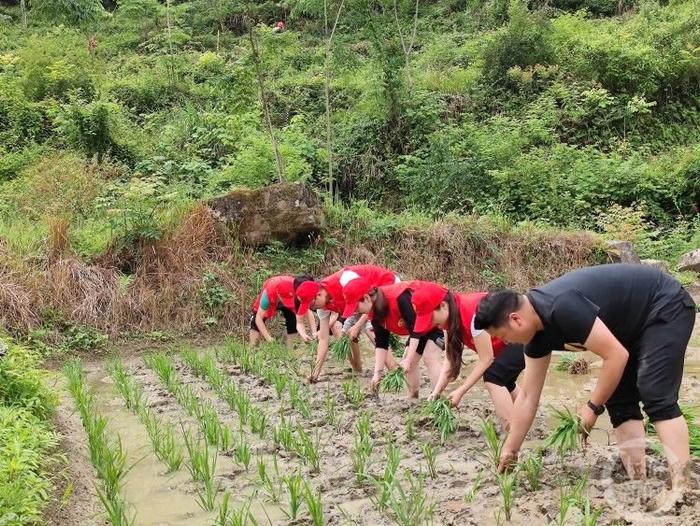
(588,419)
(508,460)
(354,333)
(404,364)
(455,398)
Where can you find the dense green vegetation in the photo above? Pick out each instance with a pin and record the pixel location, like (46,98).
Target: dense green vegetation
(547,111)
(27,442)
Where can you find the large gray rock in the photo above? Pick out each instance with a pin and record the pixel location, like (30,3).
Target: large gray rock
(287,212)
(656,263)
(690,261)
(621,252)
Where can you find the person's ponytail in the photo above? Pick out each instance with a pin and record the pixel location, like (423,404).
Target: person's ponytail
(455,340)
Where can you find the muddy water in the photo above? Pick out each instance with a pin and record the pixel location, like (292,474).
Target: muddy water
(159,498)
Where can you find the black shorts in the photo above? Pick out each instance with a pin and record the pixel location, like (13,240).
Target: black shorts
(381,338)
(507,366)
(654,368)
(290,320)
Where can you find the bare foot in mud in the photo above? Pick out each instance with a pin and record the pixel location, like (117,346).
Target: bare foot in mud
(312,379)
(667,502)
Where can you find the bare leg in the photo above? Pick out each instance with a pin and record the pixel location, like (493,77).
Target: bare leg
(432,356)
(355,357)
(502,403)
(673,434)
(631,443)
(253,338)
(289,340)
(390,361)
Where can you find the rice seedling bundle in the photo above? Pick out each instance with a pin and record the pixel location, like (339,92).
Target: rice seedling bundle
(394,381)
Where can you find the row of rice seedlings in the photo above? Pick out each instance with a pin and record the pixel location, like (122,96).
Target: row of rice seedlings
(161,435)
(385,484)
(410,506)
(362,449)
(394,381)
(106,454)
(353,393)
(430,455)
(443,417)
(214,431)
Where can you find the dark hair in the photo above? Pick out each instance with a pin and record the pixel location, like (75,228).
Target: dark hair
(494,308)
(298,280)
(455,339)
(380,307)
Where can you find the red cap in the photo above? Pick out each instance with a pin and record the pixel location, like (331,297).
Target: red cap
(426,298)
(306,292)
(353,292)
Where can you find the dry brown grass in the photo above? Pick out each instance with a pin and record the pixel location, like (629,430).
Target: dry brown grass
(163,291)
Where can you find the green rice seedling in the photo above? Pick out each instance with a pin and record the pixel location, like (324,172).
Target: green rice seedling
(243,406)
(209,423)
(111,466)
(397,345)
(201,463)
(127,387)
(532,466)
(385,484)
(280,384)
(340,349)
(565,437)
(241,452)
(165,369)
(444,419)
(394,381)
(411,506)
(191,359)
(331,408)
(229,393)
(272,489)
(187,398)
(353,393)
(494,443)
(430,455)
(283,435)
(308,449)
(212,373)
(571,496)
(590,515)
(314,505)
(293,387)
(228,516)
(362,449)
(206,497)
(116,509)
(476,486)
(410,425)
(168,450)
(572,363)
(258,421)
(507,484)
(294,485)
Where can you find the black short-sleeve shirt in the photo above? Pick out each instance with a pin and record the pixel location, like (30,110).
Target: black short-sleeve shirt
(625,297)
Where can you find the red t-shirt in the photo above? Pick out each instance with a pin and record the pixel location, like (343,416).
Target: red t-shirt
(278,289)
(374,274)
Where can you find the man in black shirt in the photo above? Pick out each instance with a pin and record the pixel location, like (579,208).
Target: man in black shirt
(638,320)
